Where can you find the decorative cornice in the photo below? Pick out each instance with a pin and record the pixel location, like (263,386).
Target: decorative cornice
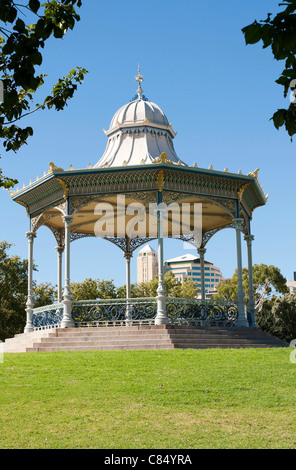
(223,188)
(241,191)
(53,167)
(65,187)
(162,159)
(25,205)
(160,180)
(254,173)
(141,126)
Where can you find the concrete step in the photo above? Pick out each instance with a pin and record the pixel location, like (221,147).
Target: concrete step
(108,331)
(92,338)
(119,347)
(221,346)
(133,340)
(142,346)
(140,337)
(220,339)
(90,344)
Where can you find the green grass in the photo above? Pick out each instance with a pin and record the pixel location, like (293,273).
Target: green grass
(180,399)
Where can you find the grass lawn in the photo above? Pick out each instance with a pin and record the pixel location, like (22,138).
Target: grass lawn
(178,399)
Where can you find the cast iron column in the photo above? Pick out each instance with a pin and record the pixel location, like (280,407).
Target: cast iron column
(67,320)
(60,250)
(241,305)
(30,300)
(161,316)
(251,304)
(128,256)
(201,252)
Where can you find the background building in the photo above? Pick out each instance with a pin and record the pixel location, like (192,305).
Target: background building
(188,267)
(292,284)
(147,264)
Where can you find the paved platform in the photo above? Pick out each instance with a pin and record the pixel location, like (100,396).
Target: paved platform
(140,337)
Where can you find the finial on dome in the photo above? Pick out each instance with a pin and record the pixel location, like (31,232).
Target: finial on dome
(139,79)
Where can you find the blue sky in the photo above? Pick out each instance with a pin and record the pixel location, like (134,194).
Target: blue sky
(218,93)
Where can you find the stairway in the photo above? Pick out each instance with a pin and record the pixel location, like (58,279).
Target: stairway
(140,337)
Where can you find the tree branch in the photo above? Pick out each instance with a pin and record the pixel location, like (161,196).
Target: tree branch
(30,112)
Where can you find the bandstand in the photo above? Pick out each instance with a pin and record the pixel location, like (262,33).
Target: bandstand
(138,191)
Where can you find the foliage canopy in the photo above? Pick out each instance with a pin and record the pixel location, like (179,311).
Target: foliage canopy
(266,279)
(21,55)
(279,33)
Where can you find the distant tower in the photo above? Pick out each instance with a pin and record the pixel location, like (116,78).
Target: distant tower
(147,264)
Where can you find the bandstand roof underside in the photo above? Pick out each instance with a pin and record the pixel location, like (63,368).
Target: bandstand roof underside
(84,193)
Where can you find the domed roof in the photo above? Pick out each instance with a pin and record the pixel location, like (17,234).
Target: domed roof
(139,111)
(139,133)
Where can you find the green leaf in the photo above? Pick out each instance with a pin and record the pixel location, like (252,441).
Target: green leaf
(20,26)
(36,58)
(34,5)
(7,13)
(279,118)
(252,33)
(266,34)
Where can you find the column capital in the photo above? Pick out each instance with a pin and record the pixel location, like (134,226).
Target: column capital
(68,219)
(127,255)
(238,223)
(31,235)
(59,249)
(249,238)
(201,251)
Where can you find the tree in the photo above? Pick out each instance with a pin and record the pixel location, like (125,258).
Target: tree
(106,289)
(227,289)
(121,291)
(278,317)
(266,280)
(149,289)
(92,289)
(86,290)
(21,52)
(143,289)
(13,292)
(44,294)
(188,289)
(284,313)
(265,319)
(172,287)
(279,33)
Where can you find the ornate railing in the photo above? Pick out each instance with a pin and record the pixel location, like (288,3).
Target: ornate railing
(117,311)
(144,310)
(139,310)
(202,312)
(49,316)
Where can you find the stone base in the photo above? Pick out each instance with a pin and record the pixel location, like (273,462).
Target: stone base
(140,337)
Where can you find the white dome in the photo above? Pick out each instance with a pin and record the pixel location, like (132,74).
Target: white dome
(139,133)
(139,111)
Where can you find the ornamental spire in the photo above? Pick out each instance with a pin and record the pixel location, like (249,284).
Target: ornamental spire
(139,79)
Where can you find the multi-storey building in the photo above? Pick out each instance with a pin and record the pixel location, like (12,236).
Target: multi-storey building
(292,284)
(147,264)
(188,267)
